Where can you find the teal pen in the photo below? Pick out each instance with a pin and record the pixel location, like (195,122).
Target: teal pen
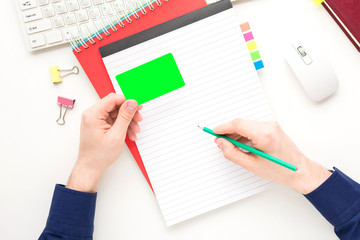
(252,150)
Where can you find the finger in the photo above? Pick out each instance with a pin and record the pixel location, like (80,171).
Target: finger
(238,138)
(140,107)
(125,116)
(110,121)
(138,117)
(114,113)
(132,136)
(134,127)
(110,102)
(245,128)
(233,154)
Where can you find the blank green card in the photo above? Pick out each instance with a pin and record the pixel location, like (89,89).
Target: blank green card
(151,80)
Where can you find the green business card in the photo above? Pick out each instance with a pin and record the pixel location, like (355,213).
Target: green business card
(151,80)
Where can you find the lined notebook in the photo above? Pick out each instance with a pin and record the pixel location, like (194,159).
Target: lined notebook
(188,172)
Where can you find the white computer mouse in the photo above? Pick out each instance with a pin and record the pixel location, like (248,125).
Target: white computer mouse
(313,70)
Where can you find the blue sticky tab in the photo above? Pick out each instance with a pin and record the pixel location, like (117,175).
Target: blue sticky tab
(259,65)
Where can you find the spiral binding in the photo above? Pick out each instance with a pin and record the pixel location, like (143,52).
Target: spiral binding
(92,32)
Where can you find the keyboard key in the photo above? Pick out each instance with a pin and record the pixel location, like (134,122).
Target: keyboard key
(85,3)
(53,36)
(27,4)
(32,14)
(72,30)
(82,15)
(55,1)
(117,7)
(73,5)
(97,2)
(37,40)
(110,0)
(94,13)
(58,21)
(70,19)
(106,10)
(38,26)
(60,8)
(49,11)
(43,2)
(85,29)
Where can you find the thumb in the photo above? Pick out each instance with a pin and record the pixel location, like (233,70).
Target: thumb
(125,116)
(233,154)
(245,128)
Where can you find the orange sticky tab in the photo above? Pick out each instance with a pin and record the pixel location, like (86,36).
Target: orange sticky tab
(245,27)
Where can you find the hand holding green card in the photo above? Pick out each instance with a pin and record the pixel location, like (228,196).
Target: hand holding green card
(151,80)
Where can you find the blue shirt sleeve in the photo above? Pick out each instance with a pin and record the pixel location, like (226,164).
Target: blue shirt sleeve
(71,215)
(338,200)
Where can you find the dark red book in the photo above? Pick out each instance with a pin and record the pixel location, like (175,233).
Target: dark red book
(347,15)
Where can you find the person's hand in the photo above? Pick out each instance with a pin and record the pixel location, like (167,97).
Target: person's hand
(270,138)
(102,135)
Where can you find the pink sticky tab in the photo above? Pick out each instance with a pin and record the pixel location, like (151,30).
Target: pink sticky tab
(66,102)
(248,36)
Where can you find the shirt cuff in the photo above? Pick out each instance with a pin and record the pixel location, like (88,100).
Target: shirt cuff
(72,213)
(336,198)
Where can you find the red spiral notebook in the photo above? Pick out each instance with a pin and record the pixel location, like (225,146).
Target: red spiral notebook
(346,14)
(87,52)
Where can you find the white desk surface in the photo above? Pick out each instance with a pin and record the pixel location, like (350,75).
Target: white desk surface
(36,153)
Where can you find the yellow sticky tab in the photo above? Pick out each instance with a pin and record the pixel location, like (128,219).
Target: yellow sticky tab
(251,46)
(55,74)
(318,2)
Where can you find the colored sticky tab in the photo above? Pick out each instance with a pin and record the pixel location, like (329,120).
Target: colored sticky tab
(55,74)
(151,80)
(251,46)
(318,2)
(255,56)
(259,65)
(245,27)
(66,102)
(248,36)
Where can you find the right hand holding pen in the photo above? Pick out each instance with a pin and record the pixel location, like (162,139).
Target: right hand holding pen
(271,139)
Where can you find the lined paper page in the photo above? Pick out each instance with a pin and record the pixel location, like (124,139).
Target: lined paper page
(188,172)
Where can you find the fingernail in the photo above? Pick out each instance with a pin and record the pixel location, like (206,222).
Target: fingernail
(132,105)
(219,143)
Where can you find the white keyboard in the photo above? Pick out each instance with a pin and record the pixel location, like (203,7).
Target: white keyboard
(48,23)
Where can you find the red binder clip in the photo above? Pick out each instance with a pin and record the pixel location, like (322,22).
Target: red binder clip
(67,103)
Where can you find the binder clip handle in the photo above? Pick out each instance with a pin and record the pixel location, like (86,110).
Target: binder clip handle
(61,116)
(75,70)
(66,103)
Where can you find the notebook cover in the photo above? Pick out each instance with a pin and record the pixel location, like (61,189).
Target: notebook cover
(93,65)
(349,13)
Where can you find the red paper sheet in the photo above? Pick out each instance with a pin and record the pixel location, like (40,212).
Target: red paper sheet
(93,65)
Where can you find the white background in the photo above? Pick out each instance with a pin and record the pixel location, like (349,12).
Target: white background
(36,153)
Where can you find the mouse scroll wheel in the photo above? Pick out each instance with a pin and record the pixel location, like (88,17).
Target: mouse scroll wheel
(302,51)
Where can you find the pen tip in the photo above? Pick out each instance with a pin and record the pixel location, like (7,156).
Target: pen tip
(200,127)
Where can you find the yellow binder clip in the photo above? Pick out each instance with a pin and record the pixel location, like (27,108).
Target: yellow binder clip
(56,76)
(318,2)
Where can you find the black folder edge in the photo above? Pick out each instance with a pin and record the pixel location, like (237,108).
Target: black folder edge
(164,28)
